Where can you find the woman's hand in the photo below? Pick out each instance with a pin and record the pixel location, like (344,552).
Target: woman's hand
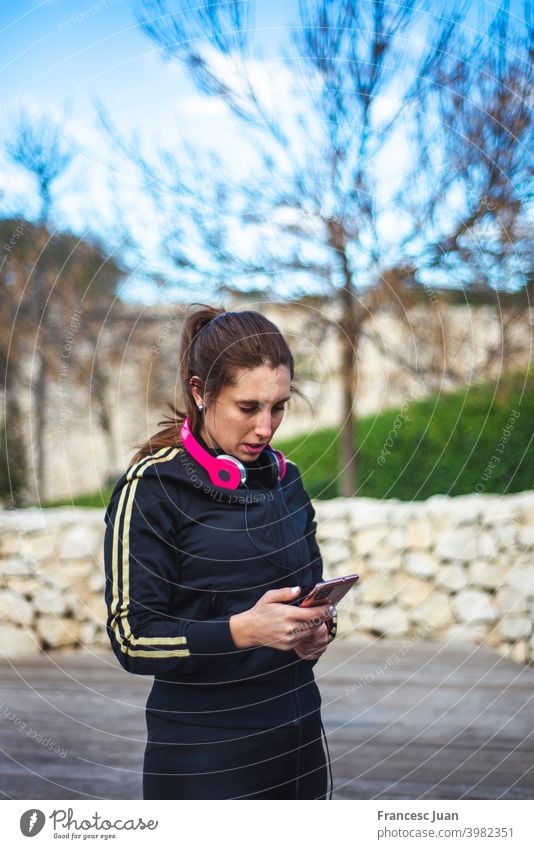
(281,626)
(312,646)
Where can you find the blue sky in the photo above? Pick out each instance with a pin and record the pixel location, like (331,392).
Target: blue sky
(65,51)
(59,56)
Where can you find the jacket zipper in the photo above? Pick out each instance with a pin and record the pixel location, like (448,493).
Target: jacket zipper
(213,603)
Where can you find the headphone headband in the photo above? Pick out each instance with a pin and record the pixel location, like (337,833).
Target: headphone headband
(224,470)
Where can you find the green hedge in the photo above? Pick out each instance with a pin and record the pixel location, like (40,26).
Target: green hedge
(92,499)
(474,440)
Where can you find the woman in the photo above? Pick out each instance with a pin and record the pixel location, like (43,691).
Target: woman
(210,537)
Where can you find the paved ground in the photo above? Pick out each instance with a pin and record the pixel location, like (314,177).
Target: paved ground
(404,721)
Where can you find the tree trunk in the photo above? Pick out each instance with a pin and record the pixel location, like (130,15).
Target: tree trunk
(106,423)
(348,478)
(40,419)
(41,330)
(349,326)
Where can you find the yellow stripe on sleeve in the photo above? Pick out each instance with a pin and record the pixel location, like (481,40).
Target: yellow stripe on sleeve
(125,506)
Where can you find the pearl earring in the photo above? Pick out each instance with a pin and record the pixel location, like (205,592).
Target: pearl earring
(201,407)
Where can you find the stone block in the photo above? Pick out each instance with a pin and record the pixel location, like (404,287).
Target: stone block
(17,642)
(101,638)
(334,552)
(41,545)
(51,601)
(399,513)
(94,609)
(510,600)
(420,534)
(413,591)
(493,637)
(461,510)
(383,564)
(500,511)
(79,593)
(17,566)
(467,543)
(486,575)
(472,606)
(390,621)
(346,626)
(395,539)
(379,589)
(55,577)
(11,544)
(525,536)
(455,544)
(515,627)
(362,616)
(521,578)
(331,508)
(486,544)
(333,529)
(28,587)
(56,632)
(420,565)
(79,542)
(505,536)
(69,573)
(467,633)
(519,652)
(524,502)
(452,577)
(366,512)
(435,610)
(27,521)
(369,540)
(15,608)
(97,582)
(88,633)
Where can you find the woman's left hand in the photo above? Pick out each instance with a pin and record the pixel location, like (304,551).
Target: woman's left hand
(312,646)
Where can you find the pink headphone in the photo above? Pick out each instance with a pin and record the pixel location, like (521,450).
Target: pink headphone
(224,470)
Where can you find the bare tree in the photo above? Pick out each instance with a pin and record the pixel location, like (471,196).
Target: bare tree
(37,146)
(474,175)
(362,80)
(82,283)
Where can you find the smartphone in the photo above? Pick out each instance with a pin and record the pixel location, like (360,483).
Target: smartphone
(327,592)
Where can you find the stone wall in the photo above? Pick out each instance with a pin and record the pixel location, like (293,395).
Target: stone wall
(52,579)
(449,568)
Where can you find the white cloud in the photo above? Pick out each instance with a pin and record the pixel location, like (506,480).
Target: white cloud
(199,106)
(272,79)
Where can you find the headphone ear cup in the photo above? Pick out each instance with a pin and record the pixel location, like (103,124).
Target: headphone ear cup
(224,470)
(229,471)
(281,466)
(277,466)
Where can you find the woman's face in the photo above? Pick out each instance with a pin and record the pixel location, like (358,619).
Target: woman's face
(245,416)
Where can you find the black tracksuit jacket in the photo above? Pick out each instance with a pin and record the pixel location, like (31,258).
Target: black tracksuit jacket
(179,562)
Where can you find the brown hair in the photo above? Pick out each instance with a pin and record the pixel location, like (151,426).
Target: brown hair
(214,345)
